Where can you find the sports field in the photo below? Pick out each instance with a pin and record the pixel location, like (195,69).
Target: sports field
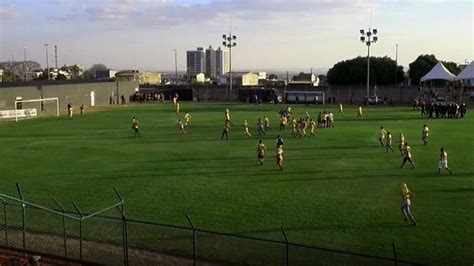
(339,190)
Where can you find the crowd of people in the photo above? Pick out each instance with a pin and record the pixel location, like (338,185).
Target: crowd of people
(147,97)
(442,109)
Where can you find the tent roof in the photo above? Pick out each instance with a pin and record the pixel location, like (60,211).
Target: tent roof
(467,73)
(438,72)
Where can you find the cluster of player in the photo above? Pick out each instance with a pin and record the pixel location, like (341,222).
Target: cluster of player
(385,139)
(299,126)
(70,110)
(261,149)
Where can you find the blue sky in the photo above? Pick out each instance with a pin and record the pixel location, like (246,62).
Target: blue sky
(141,34)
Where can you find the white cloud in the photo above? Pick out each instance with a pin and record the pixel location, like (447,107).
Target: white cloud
(9,12)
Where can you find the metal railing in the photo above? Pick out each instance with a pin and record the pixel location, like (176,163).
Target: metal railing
(109,237)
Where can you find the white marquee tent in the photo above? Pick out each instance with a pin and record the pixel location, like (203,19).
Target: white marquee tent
(438,72)
(467,73)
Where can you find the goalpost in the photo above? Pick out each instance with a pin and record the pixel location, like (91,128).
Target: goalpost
(33,112)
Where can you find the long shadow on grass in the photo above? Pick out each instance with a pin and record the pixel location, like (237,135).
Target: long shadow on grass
(329,227)
(457,190)
(383,119)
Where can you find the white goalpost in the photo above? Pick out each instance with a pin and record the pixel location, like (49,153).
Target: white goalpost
(33,111)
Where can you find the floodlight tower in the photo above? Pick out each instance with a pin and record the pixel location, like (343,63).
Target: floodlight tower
(47,60)
(175,66)
(368,38)
(229,42)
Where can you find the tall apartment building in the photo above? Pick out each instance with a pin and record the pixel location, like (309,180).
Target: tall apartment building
(196,61)
(222,59)
(213,62)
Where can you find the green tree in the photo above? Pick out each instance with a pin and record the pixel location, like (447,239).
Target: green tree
(421,66)
(354,72)
(452,67)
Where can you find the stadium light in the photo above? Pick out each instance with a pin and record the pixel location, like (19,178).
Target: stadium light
(47,61)
(368,37)
(229,42)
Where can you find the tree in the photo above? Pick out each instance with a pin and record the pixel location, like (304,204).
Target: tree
(422,65)
(452,67)
(18,68)
(90,73)
(272,77)
(323,80)
(354,72)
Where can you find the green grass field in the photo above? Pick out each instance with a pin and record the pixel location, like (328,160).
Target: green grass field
(339,190)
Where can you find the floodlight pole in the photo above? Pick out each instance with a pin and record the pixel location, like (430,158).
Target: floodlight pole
(24,62)
(229,42)
(396,64)
(56,56)
(368,38)
(13,67)
(175,66)
(47,60)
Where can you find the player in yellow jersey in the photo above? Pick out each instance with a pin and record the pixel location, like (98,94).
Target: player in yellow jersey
(261,151)
(279,157)
(382,134)
(282,122)
(294,125)
(227,115)
(177,107)
(401,144)
(407,195)
(312,127)
(388,141)
(359,112)
(425,134)
(187,119)
(175,99)
(443,162)
(340,110)
(407,155)
(266,123)
(245,126)
(226,130)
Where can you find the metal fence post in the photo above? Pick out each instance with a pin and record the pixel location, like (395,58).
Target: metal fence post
(5,221)
(80,229)
(23,214)
(194,238)
(64,227)
(395,252)
(287,247)
(121,209)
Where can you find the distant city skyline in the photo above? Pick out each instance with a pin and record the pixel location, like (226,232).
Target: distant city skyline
(298,34)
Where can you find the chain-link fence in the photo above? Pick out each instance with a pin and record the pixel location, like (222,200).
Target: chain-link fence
(108,237)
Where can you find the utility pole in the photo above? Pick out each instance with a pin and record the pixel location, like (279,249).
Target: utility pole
(47,60)
(175,66)
(13,67)
(24,63)
(56,55)
(396,64)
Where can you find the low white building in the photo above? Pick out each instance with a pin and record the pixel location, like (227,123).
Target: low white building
(240,79)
